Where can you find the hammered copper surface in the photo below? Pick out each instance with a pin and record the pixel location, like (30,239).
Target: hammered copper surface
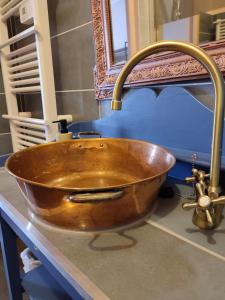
(51,175)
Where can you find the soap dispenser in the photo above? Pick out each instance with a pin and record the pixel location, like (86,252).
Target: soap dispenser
(63,133)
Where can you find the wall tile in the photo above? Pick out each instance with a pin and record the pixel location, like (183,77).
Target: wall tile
(82,105)
(4,124)
(32,102)
(5,144)
(73,59)
(64,15)
(205,94)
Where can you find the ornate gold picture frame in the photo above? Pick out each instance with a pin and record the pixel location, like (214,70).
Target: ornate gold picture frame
(160,68)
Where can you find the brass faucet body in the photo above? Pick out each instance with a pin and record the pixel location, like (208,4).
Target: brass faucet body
(212,190)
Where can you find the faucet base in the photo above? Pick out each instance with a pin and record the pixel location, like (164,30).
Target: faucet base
(200,219)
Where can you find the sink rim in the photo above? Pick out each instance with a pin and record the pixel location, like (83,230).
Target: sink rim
(75,189)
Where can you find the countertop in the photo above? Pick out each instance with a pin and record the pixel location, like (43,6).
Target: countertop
(163,258)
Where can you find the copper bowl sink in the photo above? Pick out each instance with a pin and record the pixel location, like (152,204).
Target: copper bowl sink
(90,184)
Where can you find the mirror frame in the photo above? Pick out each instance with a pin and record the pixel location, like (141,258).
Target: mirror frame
(161,68)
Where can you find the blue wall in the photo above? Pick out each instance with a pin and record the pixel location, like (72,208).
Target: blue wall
(174,119)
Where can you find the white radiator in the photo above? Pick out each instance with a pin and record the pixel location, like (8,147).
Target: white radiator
(220,29)
(26,61)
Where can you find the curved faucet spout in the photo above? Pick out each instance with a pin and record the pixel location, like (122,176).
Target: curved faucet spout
(218,83)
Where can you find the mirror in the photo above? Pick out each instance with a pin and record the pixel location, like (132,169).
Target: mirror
(119,29)
(122,27)
(136,24)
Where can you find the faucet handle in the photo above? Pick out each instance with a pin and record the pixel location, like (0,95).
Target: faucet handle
(189,205)
(219,201)
(202,201)
(190,179)
(198,175)
(209,218)
(203,205)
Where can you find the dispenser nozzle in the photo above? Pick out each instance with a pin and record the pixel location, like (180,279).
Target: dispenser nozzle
(62,125)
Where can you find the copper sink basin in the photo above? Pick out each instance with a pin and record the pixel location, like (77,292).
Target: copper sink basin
(90,184)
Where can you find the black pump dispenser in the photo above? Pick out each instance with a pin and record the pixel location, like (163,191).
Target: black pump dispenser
(62,125)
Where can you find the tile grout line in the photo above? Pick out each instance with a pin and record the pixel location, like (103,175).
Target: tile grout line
(72,29)
(180,237)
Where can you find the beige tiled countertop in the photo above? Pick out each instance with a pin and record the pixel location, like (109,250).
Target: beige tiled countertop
(164,258)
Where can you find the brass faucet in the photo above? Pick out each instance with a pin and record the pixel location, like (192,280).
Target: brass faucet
(208,206)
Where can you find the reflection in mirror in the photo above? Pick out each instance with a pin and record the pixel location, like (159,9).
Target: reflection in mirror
(195,21)
(119,30)
(137,23)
